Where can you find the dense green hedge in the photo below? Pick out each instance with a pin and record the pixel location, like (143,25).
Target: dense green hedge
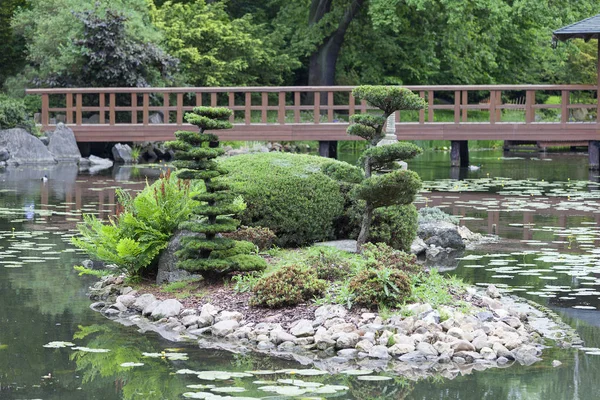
(290,193)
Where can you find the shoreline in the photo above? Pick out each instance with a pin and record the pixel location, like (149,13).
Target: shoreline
(499,331)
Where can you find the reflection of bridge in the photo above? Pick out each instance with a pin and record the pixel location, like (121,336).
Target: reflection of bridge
(320,113)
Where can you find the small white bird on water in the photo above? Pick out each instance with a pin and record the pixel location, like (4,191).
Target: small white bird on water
(474,167)
(45,178)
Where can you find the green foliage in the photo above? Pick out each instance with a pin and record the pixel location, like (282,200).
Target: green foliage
(263,238)
(386,157)
(394,225)
(244,283)
(329,263)
(134,238)
(397,187)
(209,255)
(373,287)
(389,98)
(380,255)
(12,49)
(290,285)
(435,214)
(287,193)
(343,172)
(217,50)
(62,51)
(435,289)
(98,273)
(13,114)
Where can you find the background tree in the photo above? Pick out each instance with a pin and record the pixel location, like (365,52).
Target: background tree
(12,48)
(210,255)
(394,188)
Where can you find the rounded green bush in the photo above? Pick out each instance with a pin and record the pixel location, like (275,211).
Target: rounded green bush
(291,285)
(291,194)
(373,287)
(395,226)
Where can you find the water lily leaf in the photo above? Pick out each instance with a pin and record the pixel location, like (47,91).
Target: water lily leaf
(90,350)
(374,378)
(131,364)
(58,345)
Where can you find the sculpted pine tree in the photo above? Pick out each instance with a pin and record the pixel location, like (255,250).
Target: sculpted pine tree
(209,254)
(399,186)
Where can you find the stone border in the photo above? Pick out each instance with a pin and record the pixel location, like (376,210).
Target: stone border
(508,330)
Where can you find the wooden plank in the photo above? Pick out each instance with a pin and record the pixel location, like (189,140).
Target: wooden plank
(297,107)
(231,103)
(264,104)
(134,108)
(213,99)
(465,103)
(248,108)
(564,103)
(430,106)
(281,110)
(102,104)
(198,99)
(112,98)
(330,106)
(45,113)
(179,108)
(317,108)
(457,106)
(422,112)
(352,104)
(166,116)
(493,107)
(529,102)
(78,105)
(69,105)
(145,111)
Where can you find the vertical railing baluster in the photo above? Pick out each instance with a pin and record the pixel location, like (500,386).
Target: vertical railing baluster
(457,107)
(78,105)
(248,108)
(263,107)
(297,107)
(465,103)
(564,107)
(281,110)
(134,108)
(422,112)
(529,110)
(145,110)
(213,99)
(45,111)
(492,109)
(430,111)
(329,106)
(351,104)
(317,108)
(231,96)
(102,107)
(69,104)
(166,113)
(179,108)
(112,99)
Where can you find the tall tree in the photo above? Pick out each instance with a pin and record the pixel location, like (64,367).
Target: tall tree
(12,48)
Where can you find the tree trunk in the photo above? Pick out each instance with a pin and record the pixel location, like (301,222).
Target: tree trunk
(321,69)
(364,227)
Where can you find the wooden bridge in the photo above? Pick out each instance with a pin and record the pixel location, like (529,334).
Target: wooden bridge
(454,113)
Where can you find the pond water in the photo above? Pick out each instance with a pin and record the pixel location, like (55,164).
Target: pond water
(544,208)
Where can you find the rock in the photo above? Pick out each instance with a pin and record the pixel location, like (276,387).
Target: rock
(286,346)
(492,291)
(502,360)
(502,351)
(151,307)
(226,327)
(155,118)
(364,346)
(347,340)
(143,301)
(167,262)
(4,154)
(127,300)
(100,162)
(227,315)
(413,357)
(282,336)
(348,353)
(346,327)
(380,352)
(432,317)
(24,148)
(556,363)
(441,234)
(263,345)
(93,119)
(122,153)
(526,355)
(330,311)
(457,333)
(462,345)
(426,349)
(418,246)
(303,328)
(403,339)
(399,349)
(62,144)
(166,309)
(513,322)
(443,347)
(485,316)
(488,354)
(190,320)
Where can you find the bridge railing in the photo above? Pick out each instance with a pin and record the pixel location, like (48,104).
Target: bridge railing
(315,105)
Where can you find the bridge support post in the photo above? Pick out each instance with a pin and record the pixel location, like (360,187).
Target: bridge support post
(459,153)
(328,148)
(594,154)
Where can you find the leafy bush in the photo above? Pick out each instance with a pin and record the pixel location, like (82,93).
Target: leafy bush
(386,157)
(210,255)
(435,289)
(13,114)
(434,214)
(289,194)
(373,287)
(263,238)
(398,187)
(329,263)
(380,255)
(290,285)
(395,226)
(143,227)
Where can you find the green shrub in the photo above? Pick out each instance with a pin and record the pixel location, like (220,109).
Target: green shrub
(13,114)
(263,238)
(380,255)
(330,264)
(386,157)
(398,187)
(373,287)
(395,226)
(134,238)
(210,255)
(289,194)
(290,285)
(434,214)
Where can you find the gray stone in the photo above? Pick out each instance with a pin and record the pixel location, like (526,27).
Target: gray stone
(485,316)
(282,336)
(401,348)
(303,327)
(227,315)
(347,340)
(98,161)
(348,353)
(556,363)
(502,360)
(24,148)
(364,346)
(63,146)
(380,352)
(166,309)
(286,346)
(526,355)
(151,307)
(122,153)
(488,354)
(167,262)
(127,300)
(264,345)
(426,349)
(155,118)
(143,301)
(418,246)
(480,342)
(441,234)
(342,328)
(190,320)
(457,333)
(330,311)
(493,292)
(4,154)
(462,345)
(224,328)
(413,357)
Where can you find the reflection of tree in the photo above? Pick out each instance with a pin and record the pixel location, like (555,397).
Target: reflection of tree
(153,380)
(398,389)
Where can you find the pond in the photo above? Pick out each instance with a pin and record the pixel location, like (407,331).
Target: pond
(544,208)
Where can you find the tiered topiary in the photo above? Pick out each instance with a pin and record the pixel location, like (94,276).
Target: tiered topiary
(399,186)
(195,153)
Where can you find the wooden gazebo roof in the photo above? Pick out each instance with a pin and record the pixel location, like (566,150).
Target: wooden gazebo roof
(586,29)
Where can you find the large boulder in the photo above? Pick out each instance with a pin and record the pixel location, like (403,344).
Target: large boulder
(24,148)
(167,262)
(441,234)
(122,153)
(4,154)
(62,144)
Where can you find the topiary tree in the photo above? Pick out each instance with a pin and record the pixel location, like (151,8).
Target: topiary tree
(195,153)
(399,186)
